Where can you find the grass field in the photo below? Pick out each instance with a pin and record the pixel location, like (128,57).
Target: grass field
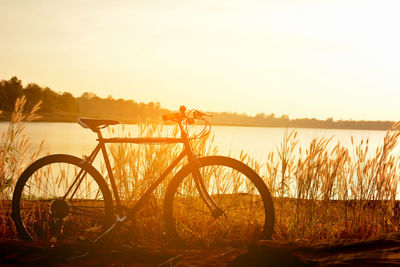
(319,193)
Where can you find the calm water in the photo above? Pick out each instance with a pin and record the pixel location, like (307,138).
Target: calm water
(71,138)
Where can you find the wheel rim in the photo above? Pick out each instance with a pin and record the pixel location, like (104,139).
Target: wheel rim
(240,216)
(47,214)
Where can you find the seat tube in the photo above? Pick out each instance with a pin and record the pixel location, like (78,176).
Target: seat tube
(109,171)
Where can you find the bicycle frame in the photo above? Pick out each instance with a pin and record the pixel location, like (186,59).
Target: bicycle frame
(187,151)
(73,201)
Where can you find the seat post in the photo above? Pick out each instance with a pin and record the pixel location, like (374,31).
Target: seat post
(99,135)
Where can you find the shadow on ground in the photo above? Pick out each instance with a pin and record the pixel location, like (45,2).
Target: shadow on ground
(380,252)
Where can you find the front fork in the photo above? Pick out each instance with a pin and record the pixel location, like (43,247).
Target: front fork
(205,196)
(198,179)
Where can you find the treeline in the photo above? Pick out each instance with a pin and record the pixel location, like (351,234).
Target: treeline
(263,120)
(65,107)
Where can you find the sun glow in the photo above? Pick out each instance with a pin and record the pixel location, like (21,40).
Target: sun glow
(302,58)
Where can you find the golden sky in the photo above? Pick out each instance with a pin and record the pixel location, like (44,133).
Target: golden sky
(303,58)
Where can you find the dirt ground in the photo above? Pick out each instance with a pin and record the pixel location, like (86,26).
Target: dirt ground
(380,252)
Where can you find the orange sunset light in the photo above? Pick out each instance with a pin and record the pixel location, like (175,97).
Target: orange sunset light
(302,58)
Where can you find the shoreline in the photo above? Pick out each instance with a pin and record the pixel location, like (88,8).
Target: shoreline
(68,118)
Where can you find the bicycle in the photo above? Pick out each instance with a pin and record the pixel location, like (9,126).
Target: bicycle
(210,201)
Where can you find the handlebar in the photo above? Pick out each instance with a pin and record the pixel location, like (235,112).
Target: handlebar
(183,117)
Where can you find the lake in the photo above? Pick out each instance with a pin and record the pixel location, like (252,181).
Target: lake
(71,138)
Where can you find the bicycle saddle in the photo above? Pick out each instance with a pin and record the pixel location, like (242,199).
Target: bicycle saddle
(95,124)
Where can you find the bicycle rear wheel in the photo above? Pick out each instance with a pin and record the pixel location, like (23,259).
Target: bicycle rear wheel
(239,192)
(59,197)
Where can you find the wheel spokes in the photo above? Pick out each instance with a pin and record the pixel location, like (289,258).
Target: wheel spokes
(44,211)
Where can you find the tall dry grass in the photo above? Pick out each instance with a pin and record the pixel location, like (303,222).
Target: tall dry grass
(334,193)
(15,155)
(325,191)
(15,145)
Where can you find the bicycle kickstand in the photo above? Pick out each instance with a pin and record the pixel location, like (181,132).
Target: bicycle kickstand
(93,244)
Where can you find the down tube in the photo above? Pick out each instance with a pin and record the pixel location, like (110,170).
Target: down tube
(138,205)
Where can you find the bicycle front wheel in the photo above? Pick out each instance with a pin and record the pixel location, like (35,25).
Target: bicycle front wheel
(245,205)
(59,197)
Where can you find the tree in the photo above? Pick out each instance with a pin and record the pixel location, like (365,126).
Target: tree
(88,95)
(9,92)
(3,97)
(33,93)
(68,103)
(50,100)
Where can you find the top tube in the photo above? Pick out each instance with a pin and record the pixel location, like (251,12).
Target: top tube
(141,140)
(183,119)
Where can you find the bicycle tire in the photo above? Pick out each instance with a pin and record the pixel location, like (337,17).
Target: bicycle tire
(182,203)
(40,213)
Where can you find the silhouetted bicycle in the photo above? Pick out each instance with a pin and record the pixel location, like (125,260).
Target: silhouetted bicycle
(212,200)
